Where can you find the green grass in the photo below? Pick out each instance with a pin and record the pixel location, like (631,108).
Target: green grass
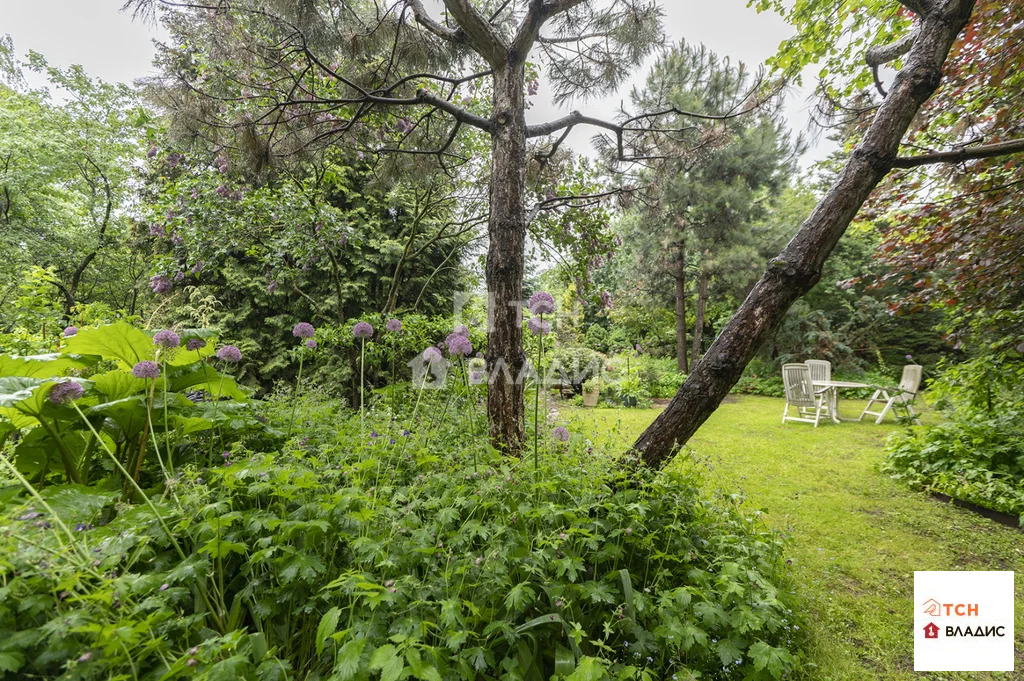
(856,537)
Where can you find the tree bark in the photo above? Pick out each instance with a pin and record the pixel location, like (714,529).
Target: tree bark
(681,360)
(798,267)
(507,231)
(698,323)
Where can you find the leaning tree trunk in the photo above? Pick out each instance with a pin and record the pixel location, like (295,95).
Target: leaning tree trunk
(507,232)
(698,323)
(798,267)
(681,363)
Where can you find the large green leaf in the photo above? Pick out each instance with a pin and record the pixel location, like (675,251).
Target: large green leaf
(41,366)
(118,341)
(119,383)
(22,393)
(202,376)
(37,451)
(129,414)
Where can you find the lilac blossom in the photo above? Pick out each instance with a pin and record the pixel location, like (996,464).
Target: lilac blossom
(160,284)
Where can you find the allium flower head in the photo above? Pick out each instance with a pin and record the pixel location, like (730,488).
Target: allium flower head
(166,339)
(394,325)
(538,327)
(303,330)
(910,357)
(458,344)
(560,434)
(462,331)
(70,331)
(64,392)
(146,369)
(362,330)
(310,343)
(229,353)
(432,355)
(476,377)
(195,344)
(542,302)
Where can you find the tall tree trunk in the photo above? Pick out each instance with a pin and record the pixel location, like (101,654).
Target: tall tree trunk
(507,231)
(681,363)
(798,267)
(698,323)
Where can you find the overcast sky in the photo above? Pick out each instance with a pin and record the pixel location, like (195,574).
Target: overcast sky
(113,46)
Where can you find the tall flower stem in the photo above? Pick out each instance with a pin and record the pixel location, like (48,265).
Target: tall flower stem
(470,407)
(167,437)
(153,508)
(295,394)
(216,406)
(536,399)
(362,382)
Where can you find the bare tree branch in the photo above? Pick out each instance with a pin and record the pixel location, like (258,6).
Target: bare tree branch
(1015,146)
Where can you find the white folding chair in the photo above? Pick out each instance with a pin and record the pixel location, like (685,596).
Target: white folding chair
(897,398)
(801,393)
(821,370)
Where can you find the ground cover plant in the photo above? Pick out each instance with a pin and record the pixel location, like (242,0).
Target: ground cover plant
(373,548)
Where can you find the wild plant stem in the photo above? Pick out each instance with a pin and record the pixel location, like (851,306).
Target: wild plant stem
(362,382)
(295,396)
(167,437)
(536,400)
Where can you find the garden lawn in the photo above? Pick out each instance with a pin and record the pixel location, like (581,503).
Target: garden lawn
(856,537)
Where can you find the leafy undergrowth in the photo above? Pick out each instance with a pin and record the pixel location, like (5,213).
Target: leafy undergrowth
(363,554)
(855,535)
(976,457)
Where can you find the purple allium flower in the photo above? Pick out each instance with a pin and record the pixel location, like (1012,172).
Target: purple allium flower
(160,284)
(910,357)
(195,344)
(64,392)
(394,325)
(462,331)
(362,330)
(85,657)
(458,344)
(146,369)
(303,330)
(560,434)
(432,355)
(542,302)
(229,353)
(476,377)
(70,331)
(538,327)
(167,339)
(311,344)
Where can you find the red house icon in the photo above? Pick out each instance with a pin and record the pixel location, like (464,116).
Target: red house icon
(931,630)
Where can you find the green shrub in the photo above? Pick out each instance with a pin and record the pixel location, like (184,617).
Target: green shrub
(975,456)
(353,553)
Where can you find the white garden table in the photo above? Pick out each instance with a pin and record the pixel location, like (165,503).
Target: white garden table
(834,388)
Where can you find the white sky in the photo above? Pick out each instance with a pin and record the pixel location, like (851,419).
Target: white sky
(110,45)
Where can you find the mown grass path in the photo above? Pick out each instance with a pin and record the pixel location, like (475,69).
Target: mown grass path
(856,537)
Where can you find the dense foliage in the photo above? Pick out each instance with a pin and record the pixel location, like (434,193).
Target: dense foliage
(365,549)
